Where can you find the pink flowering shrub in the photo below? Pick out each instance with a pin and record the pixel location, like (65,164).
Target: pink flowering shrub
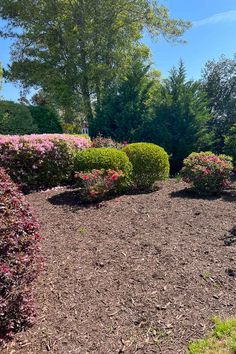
(98,183)
(20,260)
(40,161)
(207,172)
(100,141)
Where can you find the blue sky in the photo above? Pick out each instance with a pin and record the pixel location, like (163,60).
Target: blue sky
(213,33)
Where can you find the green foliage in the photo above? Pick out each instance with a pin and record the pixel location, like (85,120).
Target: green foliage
(230,143)
(178,118)
(150,163)
(46,119)
(124,109)
(88,44)
(218,81)
(16,119)
(207,172)
(221,340)
(104,158)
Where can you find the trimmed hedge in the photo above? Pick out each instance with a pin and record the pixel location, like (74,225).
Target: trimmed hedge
(20,260)
(104,158)
(40,161)
(150,163)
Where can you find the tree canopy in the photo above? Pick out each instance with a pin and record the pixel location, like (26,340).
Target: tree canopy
(219,83)
(74,49)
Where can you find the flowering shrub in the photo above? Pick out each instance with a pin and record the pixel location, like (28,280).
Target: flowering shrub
(104,158)
(207,172)
(97,183)
(100,141)
(20,260)
(40,161)
(150,163)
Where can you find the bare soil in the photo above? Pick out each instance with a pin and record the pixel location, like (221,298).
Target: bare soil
(136,274)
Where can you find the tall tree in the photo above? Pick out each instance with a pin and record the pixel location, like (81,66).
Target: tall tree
(219,83)
(73,49)
(124,108)
(179,117)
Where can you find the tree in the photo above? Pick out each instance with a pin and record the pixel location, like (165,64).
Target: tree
(74,49)
(46,119)
(219,83)
(178,118)
(125,106)
(16,119)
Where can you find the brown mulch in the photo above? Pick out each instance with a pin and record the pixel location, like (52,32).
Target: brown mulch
(136,274)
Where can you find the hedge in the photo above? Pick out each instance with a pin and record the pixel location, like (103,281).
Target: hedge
(20,260)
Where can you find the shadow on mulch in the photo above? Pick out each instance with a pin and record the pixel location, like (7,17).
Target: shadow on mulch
(188,193)
(72,199)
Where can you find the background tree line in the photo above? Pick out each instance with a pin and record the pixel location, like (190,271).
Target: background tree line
(86,60)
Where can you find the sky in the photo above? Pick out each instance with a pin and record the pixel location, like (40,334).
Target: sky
(212,34)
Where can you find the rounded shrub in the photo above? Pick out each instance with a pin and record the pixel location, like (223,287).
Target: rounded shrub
(208,173)
(104,158)
(20,259)
(150,163)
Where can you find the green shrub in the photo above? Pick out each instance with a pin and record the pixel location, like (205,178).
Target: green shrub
(230,143)
(208,173)
(150,163)
(16,119)
(46,119)
(104,158)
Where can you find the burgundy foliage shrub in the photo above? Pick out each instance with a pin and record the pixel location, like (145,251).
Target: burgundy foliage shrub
(20,260)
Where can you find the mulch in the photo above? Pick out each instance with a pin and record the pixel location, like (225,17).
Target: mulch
(136,274)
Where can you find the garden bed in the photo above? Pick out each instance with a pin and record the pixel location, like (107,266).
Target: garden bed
(135,274)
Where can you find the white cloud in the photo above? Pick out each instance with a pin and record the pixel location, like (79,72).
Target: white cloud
(223,17)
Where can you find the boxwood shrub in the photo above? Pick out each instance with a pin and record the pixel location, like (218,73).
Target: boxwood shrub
(150,163)
(104,158)
(20,260)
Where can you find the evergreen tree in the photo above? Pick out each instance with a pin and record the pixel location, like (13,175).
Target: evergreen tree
(125,106)
(178,118)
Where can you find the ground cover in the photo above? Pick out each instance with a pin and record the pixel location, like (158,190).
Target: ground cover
(136,274)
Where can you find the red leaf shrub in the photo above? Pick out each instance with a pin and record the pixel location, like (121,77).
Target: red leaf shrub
(98,183)
(208,173)
(20,260)
(40,160)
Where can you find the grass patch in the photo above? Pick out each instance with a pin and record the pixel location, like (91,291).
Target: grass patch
(222,340)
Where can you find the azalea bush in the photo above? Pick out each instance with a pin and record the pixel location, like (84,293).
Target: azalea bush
(20,260)
(98,183)
(150,163)
(208,173)
(40,161)
(105,159)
